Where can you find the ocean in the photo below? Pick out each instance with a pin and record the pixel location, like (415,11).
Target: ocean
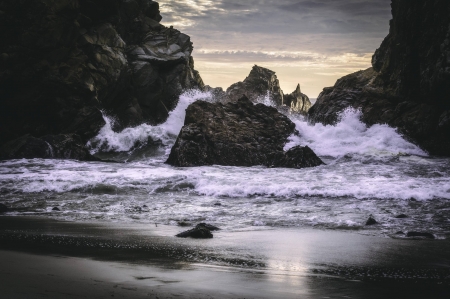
(369,171)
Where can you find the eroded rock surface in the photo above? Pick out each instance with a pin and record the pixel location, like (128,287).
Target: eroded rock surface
(409,84)
(64,61)
(237,134)
(259,83)
(297,101)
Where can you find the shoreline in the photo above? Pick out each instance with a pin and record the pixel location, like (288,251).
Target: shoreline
(291,263)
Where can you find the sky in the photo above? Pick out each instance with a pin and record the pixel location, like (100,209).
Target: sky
(311,42)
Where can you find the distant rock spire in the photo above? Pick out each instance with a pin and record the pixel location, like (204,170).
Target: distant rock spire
(298,90)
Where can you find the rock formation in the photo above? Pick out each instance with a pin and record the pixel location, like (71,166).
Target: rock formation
(237,134)
(408,86)
(259,82)
(297,101)
(61,62)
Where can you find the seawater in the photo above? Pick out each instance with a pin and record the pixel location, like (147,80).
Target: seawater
(369,171)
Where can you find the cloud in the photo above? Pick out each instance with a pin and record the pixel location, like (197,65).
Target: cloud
(282,33)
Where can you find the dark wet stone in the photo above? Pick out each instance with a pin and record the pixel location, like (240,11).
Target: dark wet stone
(208,226)
(371,221)
(196,233)
(56,209)
(3,208)
(421,234)
(401,216)
(217,204)
(238,134)
(400,233)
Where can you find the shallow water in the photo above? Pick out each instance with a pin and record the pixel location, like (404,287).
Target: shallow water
(368,171)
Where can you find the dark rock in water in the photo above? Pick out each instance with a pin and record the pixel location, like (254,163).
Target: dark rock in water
(409,84)
(371,221)
(217,204)
(259,83)
(208,226)
(3,208)
(237,134)
(64,61)
(399,233)
(63,146)
(401,216)
(420,234)
(297,101)
(184,223)
(196,233)
(56,209)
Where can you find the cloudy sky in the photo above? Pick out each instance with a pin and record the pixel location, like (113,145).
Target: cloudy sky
(311,42)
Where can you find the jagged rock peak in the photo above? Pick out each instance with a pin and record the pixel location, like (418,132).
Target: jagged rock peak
(260,82)
(297,101)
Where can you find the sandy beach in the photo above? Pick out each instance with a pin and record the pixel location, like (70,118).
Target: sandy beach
(42,258)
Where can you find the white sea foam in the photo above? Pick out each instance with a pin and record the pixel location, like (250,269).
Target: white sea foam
(109,141)
(351,136)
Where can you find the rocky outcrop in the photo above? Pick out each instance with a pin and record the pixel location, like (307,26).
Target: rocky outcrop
(64,61)
(237,134)
(297,101)
(63,146)
(259,83)
(262,85)
(409,84)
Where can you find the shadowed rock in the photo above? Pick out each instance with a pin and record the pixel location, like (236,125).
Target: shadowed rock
(200,231)
(64,61)
(3,208)
(371,221)
(409,84)
(63,146)
(237,134)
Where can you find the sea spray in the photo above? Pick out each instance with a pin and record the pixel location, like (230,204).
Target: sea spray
(350,136)
(109,141)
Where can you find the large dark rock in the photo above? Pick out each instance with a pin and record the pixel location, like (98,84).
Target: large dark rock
(409,84)
(237,134)
(63,146)
(64,61)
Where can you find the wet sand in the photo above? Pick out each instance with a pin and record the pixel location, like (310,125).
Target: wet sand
(43,258)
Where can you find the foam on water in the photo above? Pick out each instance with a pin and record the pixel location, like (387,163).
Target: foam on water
(370,170)
(109,141)
(351,136)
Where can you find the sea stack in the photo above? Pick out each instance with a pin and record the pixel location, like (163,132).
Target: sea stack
(238,133)
(408,86)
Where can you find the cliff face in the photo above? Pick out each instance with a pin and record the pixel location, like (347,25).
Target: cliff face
(61,62)
(409,84)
